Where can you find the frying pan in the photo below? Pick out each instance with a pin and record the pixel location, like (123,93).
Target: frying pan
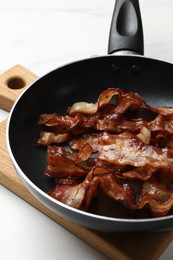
(124,67)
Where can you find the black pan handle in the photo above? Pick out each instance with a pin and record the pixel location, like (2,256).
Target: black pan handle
(126,32)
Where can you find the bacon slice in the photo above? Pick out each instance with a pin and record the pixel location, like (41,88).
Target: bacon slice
(62,163)
(124,101)
(127,149)
(54,120)
(47,138)
(157,193)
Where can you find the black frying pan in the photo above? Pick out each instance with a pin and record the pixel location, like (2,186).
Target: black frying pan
(83,81)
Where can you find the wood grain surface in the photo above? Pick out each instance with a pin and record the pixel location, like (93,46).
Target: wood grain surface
(120,246)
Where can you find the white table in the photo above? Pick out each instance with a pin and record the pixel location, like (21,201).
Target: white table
(42,35)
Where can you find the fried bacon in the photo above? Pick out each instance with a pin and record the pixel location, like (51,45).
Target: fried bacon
(127,149)
(157,193)
(47,138)
(108,145)
(62,163)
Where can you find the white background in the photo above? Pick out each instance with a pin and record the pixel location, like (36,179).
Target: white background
(42,35)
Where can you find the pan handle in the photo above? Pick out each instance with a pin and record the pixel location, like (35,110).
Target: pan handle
(126,32)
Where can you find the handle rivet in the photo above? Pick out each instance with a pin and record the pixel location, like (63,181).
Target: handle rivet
(135,70)
(115,69)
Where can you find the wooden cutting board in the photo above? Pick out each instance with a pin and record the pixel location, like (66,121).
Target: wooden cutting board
(120,246)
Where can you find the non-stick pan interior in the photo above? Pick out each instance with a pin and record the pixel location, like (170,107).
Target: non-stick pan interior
(80,81)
